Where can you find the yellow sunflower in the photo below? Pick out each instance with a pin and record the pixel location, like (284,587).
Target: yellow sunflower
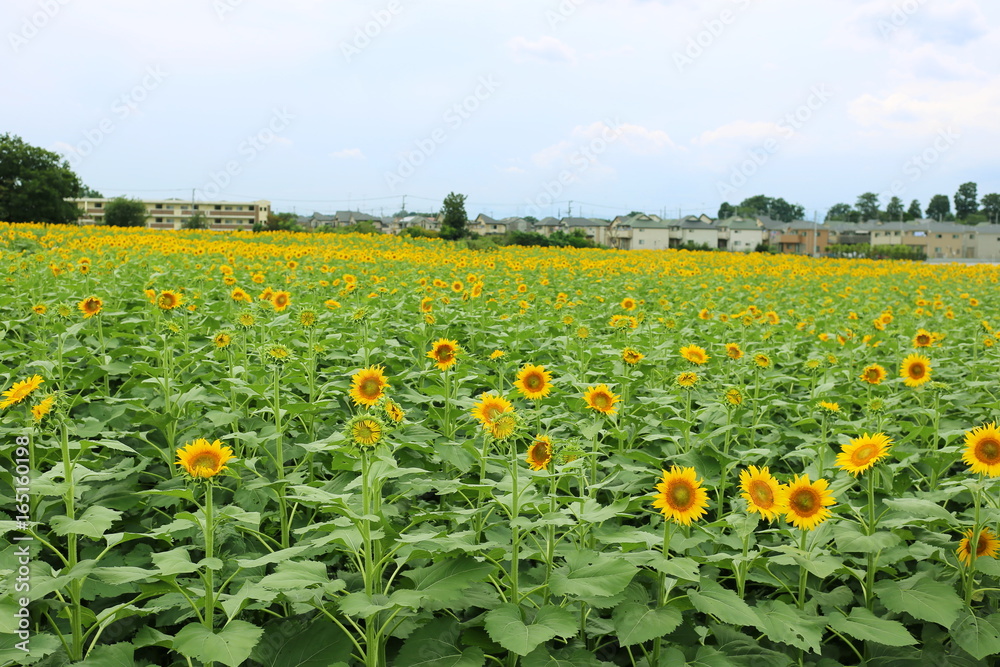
(734,396)
(540,453)
(915,370)
(168,300)
(366,430)
(489,407)
(982,450)
(223,339)
(687,379)
(762,360)
(496,354)
(680,496)
(628,303)
(631,356)
(694,354)
(504,425)
(863,452)
(280,300)
(763,493)
(808,503)
(90,306)
(830,406)
(873,374)
(733,351)
(601,398)
(21,390)
(368,385)
(444,352)
(202,459)
(923,338)
(986,545)
(393,411)
(533,381)
(43,408)
(40,309)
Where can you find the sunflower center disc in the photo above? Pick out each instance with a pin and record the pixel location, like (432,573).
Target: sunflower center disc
(989,451)
(681,495)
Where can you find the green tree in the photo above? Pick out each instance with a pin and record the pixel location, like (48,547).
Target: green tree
(842,212)
(782,210)
(991,207)
(756,205)
(867,206)
(86,191)
(454,221)
(965,200)
(284,222)
(914,212)
(894,209)
(122,212)
(939,208)
(196,221)
(726,211)
(34,184)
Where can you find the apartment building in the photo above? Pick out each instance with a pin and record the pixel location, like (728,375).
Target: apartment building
(173,213)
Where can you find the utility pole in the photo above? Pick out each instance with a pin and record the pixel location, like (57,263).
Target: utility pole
(815,234)
(569,213)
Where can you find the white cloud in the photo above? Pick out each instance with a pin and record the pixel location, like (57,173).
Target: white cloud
(740,133)
(925,107)
(349,154)
(545,49)
(589,142)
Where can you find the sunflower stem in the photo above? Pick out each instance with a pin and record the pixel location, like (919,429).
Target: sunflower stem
(970,580)
(803,572)
(279,456)
(661,588)
(872,557)
(515,532)
(209,615)
(76,586)
(372,638)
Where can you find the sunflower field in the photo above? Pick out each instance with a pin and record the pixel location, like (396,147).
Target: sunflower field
(294,450)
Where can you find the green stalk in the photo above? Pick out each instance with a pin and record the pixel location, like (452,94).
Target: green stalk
(661,587)
(593,463)
(100,335)
(872,558)
(209,617)
(970,581)
(803,572)
(515,532)
(449,430)
(371,630)
(744,568)
(550,533)
(279,453)
(76,586)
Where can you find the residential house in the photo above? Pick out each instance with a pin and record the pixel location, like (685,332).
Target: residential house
(173,213)
(639,232)
(740,234)
(546,226)
(595,229)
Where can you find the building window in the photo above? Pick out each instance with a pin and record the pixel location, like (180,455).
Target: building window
(217,208)
(159,206)
(196,207)
(98,205)
(159,219)
(218,221)
(229,208)
(642,242)
(954,236)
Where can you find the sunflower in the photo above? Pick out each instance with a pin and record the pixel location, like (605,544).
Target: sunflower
(733,351)
(488,407)
(808,503)
(90,306)
(280,300)
(694,354)
(307,318)
(687,379)
(368,385)
(332,304)
(426,304)
(277,353)
(266,294)
(680,496)
(40,309)
(982,450)
(246,320)
(763,493)
(583,332)
(830,406)
(873,374)
(628,303)
(504,425)
(631,356)
(496,354)
(923,338)
(168,300)
(393,411)
(601,398)
(762,360)
(366,430)
(704,314)
(915,370)
(540,453)
(986,545)
(734,396)
(223,339)
(202,459)
(21,390)
(43,408)
(772,317)
(444,352)
(863,452)
(533,381)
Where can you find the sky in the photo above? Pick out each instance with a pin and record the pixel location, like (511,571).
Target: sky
(593,108)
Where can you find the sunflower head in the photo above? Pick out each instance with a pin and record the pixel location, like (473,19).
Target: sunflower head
(444,353)
(246,320)
(762,360)
(569,452)
(982,450)
(504,426)
(368,385)
(43,408)
(366,430)
(496,354)
(687,379)
(540,453)
(307,318)
(533,382)
(863,452)
(808,503)
(631,356)
(829,406)
(393,413)
(873,374)
(915,370)
(733,351)
(21,390)
(202,460)
(90,306)
(923,338)
(987,545)
(168,300)
(694,354)
(734,396)
(223,339)
(489,407)
(601,399)
(680,496)
(277,354)
(280,300)
(763,493)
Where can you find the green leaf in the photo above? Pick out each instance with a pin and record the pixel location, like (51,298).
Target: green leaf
(445,581)
(567,657)
(296,575)
(864,625)
(288,643)
(175,561)
(230,646)
(436,644)
(921,597)
(920,510)
(606,576)
(850,538)
(120,575)
(722,603)
(109,655)
(94,522)
(979,637)
(636,623)
(505,627)
(788,625)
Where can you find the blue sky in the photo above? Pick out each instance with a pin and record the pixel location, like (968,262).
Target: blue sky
(522,105)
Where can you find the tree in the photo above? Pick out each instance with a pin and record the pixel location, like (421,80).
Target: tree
(894,209)
(530,218)
(757,205)
(840,212)
(86,191)
(196,221)
(991,207)
(914,211)
(283,222)
(782,210)
(867,206)
(965,201)
(726,211)
(122,212)
(454,221)
(939,208)
(34,184)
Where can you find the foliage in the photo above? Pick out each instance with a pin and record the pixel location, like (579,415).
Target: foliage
(867,206)
(914,212)
(939,208)
(991,207)
(726,211)
(283,222)
(420,233)
(124,212)
(778,209)
(966,203)
(196,221)
(454,220)
(363,227)
(877,251)
(842,212)
(34,184)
